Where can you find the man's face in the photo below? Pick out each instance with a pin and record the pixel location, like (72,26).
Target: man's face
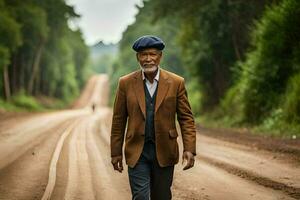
(149,59)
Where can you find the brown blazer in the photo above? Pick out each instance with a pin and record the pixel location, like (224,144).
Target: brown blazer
(130,105)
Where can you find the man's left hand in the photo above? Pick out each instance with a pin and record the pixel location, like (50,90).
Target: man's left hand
(189,157)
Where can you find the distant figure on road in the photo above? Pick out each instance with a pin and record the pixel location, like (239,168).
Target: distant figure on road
(93,107)
(149,99)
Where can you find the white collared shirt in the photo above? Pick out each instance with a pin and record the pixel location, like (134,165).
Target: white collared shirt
(151,86)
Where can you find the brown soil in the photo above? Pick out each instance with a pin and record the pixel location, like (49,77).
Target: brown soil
(66,155)
(290,148)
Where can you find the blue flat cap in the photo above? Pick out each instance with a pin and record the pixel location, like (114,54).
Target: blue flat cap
(148,41)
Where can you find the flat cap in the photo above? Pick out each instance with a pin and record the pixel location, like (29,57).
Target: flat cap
(148,41)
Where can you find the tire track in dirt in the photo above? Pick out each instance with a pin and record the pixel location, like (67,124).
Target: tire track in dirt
(84,169)
(286,147)
(261,162)
(252,176)
(79,185)
(223,170)
(53,165)
(251,164)
(103,183)
(27,176)
(17,140)
(101,135)
(210,182)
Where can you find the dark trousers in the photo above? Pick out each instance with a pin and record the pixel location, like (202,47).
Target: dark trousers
(147,179)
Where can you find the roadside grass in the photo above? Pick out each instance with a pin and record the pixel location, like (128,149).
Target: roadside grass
(25,103)
(269,127)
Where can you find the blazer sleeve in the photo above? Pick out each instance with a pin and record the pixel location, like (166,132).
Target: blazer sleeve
(186,119)
(119,120)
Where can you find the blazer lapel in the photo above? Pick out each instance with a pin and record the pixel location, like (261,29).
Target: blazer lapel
(139,92)
(162,90)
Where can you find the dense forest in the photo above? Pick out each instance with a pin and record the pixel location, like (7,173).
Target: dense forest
(39,54)
(240,59)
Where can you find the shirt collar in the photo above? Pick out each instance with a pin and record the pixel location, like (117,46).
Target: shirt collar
(156,76)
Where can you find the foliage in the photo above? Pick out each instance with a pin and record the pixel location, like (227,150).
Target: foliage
(80,53)
(230,106)
(43,55)
(194,97)
(291,101)
(8,106)
(10,35)
(213,35)
(266,90)
(273,59)
(4,57)
(240,59)
(26,102)
(21,102)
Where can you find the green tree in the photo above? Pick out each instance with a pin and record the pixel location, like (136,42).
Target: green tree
(273,59)
(39,52)
(10,39)
(213,35)
(80,54)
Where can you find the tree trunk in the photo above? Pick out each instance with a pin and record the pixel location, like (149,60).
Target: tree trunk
(21,84)
(35,67)
(220,79)
(6,83)
(14,74)
(236,47)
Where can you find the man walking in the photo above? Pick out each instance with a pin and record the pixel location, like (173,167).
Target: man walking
(147,101)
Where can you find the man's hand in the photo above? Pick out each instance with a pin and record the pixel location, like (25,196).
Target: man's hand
(117,163)
(189,157)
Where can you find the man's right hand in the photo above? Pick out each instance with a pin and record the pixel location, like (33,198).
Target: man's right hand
(116,161)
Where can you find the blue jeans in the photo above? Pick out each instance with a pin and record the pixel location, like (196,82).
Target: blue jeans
(147,179)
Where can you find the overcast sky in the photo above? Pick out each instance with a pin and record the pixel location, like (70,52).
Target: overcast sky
(104,19)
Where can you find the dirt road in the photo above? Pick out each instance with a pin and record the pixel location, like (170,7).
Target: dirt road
(65,155)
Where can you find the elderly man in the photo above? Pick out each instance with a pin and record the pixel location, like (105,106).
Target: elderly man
(147,101)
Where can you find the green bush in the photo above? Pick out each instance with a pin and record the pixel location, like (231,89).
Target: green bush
(25,102)
(230,105)
(194,96)
(272,61)
(7,106)
(266,93)
(291,103)
(277,125)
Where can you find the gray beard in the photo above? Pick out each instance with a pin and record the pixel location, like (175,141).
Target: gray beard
(149,70)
